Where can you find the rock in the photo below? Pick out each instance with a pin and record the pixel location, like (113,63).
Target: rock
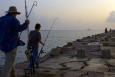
(106,54)
(69,44)
(48,73)
(68,51)
(55,52)
(81,53)
(109,74)
(74,74)
(96,67)
(95,74)
(113,39)
(74,65)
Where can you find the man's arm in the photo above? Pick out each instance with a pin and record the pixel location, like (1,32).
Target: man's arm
(18,27)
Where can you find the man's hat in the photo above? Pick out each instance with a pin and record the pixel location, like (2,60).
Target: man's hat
(13,9)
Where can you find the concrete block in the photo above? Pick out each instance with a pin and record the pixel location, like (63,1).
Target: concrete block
(106,54)
(81,53)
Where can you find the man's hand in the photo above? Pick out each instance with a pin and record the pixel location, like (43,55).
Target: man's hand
(27,22)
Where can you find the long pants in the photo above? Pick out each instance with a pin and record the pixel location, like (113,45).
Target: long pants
(33,58)
(9,67)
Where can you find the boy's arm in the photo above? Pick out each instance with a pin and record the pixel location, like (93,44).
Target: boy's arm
(40,39)
(41,43)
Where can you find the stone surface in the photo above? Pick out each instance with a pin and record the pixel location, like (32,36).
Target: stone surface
(74,65)
(96,68)
(85,57)
(106,53)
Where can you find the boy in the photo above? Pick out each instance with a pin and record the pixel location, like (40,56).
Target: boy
(33,44)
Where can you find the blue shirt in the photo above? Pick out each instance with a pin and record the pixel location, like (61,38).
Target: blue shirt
(9,32)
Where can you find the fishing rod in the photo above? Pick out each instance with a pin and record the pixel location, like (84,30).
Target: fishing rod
(48,34)
(41,50)
(34,4)
(26,11)
(28,14)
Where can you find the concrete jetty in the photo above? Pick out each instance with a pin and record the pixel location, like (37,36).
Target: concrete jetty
(92,56)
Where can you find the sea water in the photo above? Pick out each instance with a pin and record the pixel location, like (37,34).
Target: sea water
(55,38)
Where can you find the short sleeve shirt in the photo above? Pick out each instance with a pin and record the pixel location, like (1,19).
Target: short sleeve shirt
(34,38)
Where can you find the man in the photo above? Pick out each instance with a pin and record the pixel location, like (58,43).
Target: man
(33,44)
(9,38)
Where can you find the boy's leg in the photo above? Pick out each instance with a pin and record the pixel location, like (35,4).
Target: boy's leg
(13,72)
(33,59)
(9,63)
(31,62)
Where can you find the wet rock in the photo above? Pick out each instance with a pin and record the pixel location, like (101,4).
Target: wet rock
(106,53)
(69,44)
(55,52)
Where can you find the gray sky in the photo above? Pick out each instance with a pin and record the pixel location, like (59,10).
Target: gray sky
(72,14)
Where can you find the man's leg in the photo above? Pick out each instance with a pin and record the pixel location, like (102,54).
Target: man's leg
(9,63)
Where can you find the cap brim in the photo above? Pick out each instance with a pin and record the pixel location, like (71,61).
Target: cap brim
(13,12)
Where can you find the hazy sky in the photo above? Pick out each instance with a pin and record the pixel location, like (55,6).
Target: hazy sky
(72,14)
